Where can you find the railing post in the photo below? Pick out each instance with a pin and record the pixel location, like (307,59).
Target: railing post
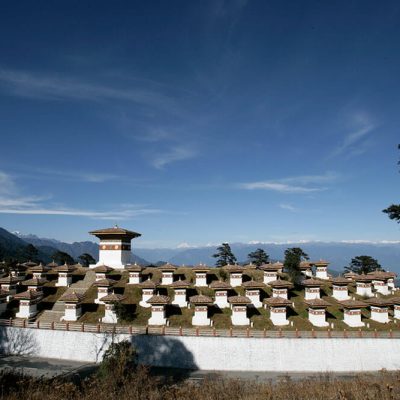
(329,333)
(83,327)
(180,331)
(214,332)
(11,321)
(230,332)
(280,332)
(24,324)
(98,328)
(67,326)
(52,325)
(147,330)
(197,331)
(344,333)
(391,334)
(265,333)
(313,333)
(38,324)
(163,330)
(297,333)
(375,333)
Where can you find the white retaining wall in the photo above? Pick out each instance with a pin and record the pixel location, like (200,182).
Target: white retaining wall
(213,353)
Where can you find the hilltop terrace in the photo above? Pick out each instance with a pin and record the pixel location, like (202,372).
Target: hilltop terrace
(232,296)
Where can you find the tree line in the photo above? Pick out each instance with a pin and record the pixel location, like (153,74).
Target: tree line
(362,264)
(293,256)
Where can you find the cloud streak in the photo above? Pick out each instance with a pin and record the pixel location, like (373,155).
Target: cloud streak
(12,202)
(302,184)
(90,177)
(25,84)
(287,207)
(278,187)
(311,179)
(103,215)
(173,154)
(355,141)
(7,185)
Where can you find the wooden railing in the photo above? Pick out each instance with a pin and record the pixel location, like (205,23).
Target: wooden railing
(206,331)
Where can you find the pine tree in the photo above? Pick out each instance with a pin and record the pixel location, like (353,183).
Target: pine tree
(293,258)
(86,259)
(31,253)
(224,255)
(393,211)
(62,258)
(258,257)
(363,265)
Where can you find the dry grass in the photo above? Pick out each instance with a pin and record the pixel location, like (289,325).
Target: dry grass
(54,295)
(140,385)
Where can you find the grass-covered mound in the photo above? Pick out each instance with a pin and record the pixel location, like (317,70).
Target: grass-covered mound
(136,315)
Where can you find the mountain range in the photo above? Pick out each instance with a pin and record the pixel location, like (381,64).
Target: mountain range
(339,254)
(47,247)
(13,246)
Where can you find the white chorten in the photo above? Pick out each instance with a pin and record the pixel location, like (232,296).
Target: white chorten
(114,246)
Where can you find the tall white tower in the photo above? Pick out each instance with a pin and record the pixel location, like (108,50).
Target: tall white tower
(114,246)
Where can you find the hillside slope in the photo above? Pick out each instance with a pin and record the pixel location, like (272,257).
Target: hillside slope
(14,247)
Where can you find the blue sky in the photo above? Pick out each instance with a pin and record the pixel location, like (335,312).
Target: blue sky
(200,122)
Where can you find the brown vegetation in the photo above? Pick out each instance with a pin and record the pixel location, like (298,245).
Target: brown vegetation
(140,384)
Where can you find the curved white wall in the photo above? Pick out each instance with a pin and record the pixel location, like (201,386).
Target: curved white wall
(213,353)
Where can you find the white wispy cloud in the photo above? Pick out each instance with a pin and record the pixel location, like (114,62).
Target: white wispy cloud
(279,187)
(7,185)
(311,179)
(172,154)
(104,215)
(296,184)
(70,175)
(153,135)
(355,142)
(288,207)
(162,146)
(165,147)
(26,84)
(95,178)
(13,202)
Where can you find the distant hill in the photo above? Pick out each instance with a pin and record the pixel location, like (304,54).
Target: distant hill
(338,253)
(13,246)
(74,249)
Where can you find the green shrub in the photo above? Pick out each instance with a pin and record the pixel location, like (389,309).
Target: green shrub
(123,312)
